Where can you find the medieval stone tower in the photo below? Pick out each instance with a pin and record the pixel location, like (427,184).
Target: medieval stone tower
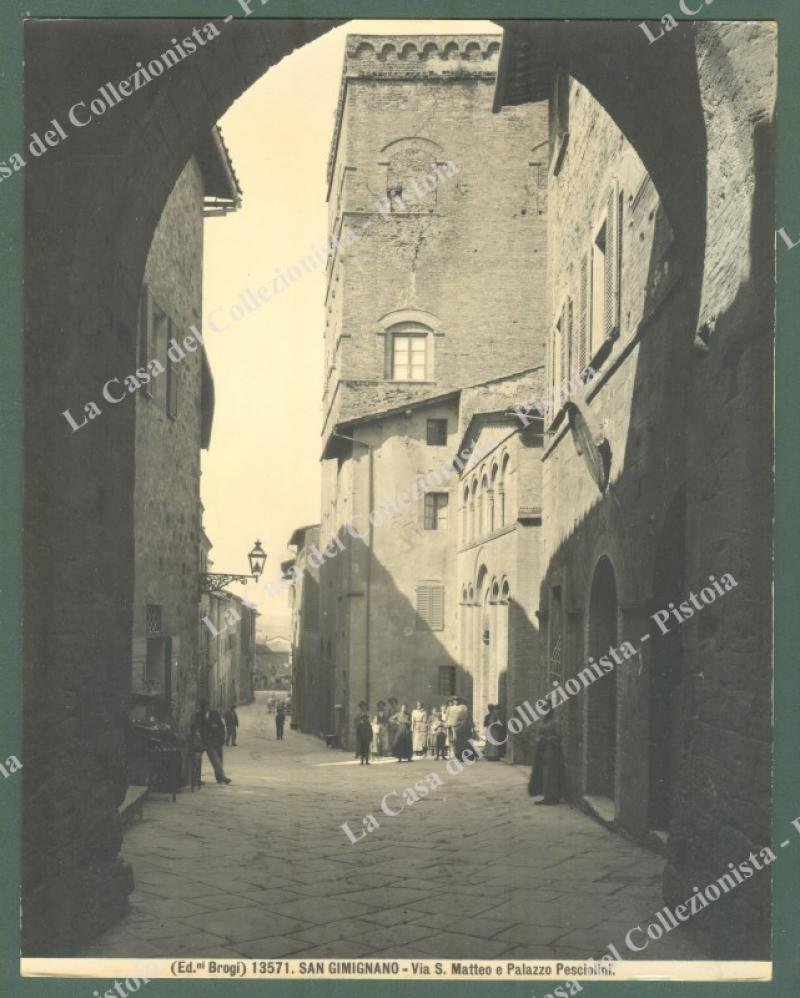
(437,220)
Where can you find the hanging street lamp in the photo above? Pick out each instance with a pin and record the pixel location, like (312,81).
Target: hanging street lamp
(212,582)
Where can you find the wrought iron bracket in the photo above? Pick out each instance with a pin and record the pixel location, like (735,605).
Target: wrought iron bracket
(214,582)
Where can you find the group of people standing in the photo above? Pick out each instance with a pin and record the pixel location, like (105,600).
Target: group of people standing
(393,730)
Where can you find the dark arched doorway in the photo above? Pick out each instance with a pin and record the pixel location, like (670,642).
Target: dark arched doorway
(601,704)
(666,675)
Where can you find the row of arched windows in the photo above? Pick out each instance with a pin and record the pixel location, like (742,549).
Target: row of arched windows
(484,501)
(498,592)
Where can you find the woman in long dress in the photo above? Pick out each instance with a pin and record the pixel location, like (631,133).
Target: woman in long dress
(495,734)
(434,720)
(401,748)
(419,729)
(380,730)
(547,771)
(463,728)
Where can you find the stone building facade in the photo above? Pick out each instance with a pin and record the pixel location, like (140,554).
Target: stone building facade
(499,498)
(656,474)
(311,688)
(420,297)
(228,639)
(421,303)
(174,412)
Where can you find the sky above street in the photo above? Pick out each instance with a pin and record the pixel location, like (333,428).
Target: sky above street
(261,477)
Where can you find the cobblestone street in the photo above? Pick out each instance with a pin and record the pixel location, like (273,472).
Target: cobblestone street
(261,868)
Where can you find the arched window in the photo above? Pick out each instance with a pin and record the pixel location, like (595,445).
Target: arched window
(411,352)
(494,517)
(485,506)
(473,510)
(502,492)
(465,516)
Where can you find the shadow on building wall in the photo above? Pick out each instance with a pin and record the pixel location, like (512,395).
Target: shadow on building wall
(677,738)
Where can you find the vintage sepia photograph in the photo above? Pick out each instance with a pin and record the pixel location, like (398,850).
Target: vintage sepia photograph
(398,498)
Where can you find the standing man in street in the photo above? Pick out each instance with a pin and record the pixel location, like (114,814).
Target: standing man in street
(280,721)
(208,725)
(450,719)
(231,724)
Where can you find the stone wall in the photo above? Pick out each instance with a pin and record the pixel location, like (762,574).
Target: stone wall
(167,517)
(312,692)
(369,609)
(499,570)
(683,402)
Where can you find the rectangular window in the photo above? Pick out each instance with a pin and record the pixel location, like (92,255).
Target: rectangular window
(408,362)
(598,306)
(436,510)
(556,361)
(152,618)
(430,606)
(604,275)
(559,120)
(447,680)
(583,313)
(437,432)
(172,380)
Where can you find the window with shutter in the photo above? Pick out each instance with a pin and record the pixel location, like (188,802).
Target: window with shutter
(584,313)
(597,316)
(559,120)
(566,336)
(612,263)
(430,606)
(557,360)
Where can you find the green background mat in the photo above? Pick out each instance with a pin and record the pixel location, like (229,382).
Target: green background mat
(786,872)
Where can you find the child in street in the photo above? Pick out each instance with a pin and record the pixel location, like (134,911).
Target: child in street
(364,738)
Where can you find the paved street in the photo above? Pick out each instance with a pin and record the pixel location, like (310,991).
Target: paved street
(261,868)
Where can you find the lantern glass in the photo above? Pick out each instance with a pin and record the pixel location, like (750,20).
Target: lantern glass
(257,558)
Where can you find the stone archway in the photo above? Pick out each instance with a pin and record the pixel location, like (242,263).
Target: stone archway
(91,206)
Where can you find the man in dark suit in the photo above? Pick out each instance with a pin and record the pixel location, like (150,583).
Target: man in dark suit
(208,724)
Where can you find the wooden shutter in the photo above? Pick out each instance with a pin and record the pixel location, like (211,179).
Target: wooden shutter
(612,262)
(437,608)
(584,312)
(430,606)
(566,374)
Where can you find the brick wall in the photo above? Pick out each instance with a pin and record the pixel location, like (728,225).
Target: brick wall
(468,258)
